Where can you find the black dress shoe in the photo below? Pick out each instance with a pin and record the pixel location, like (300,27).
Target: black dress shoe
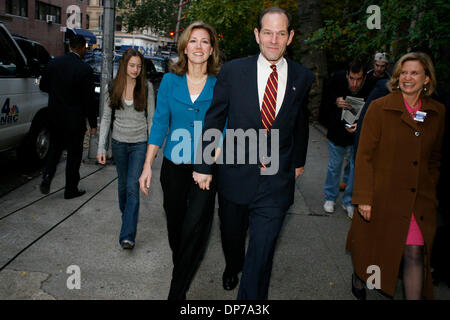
(45,185)
(75,194)
(359,294)
(229,282)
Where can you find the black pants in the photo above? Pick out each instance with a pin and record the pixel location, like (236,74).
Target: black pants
(189,211)
(62,139)
(264,219)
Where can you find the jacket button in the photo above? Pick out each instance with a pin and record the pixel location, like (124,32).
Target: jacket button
(416,133)
(413,189)
(415,163)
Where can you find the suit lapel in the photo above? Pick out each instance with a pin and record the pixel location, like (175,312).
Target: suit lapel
(289,93)
(181,91)
(250,90)
(396,103)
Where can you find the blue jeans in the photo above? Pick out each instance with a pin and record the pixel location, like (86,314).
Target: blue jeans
(129,159)
(337,155)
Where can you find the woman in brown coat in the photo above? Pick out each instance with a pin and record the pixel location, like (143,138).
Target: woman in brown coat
(396,171)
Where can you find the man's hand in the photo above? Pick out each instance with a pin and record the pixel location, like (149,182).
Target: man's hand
(203,180)
(299,172)
(365,211)
(340,102)
(352,128)
(145,178)
(93,131)
(101,158)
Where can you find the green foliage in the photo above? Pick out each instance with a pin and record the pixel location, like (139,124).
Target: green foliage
(160,15)
(404,24)
(235,20)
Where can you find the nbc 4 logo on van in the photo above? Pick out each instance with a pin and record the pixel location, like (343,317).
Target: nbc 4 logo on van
(9,114)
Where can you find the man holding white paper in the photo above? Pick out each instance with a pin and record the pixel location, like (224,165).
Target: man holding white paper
(342,102)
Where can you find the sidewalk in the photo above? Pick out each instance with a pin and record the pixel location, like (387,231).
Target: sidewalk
(310,261)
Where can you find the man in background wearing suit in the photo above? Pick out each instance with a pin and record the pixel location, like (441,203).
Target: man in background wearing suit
(70,86)
(265,92)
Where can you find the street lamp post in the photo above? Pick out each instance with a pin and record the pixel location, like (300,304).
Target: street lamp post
(107,67)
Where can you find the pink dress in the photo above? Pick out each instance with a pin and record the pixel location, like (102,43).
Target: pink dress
(414,237)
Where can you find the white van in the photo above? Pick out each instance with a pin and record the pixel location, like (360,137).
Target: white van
(23,107)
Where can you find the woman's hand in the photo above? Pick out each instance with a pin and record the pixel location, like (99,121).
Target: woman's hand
(101,158)
(365,211)
(203,180)
(145,178)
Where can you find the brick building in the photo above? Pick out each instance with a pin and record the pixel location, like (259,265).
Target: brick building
(43,20)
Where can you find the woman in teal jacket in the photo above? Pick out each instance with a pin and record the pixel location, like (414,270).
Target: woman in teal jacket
(184,96)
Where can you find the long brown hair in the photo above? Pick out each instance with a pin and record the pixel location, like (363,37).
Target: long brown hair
(120,81)
(181,66)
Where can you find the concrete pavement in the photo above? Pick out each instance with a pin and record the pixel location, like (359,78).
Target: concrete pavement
(43,237)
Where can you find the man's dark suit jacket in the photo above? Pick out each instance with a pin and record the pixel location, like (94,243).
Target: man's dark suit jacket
(70,85)
(236,100)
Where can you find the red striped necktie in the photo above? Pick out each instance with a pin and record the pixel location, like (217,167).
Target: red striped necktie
(270,99)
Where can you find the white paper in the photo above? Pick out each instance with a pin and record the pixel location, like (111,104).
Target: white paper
(351,114)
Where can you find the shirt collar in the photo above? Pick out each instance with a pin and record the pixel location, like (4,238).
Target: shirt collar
(79,55)
(262,62)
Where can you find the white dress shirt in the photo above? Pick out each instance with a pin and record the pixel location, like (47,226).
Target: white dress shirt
(263,72)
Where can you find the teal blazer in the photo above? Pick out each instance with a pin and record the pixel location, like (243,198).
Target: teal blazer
(178,118)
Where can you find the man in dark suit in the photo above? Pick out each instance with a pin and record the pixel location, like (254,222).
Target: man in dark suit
(267,94)
(69,83)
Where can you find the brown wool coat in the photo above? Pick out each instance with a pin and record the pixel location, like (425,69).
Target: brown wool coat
(396,171)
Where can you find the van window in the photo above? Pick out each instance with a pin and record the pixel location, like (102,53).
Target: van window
(10,61)
(34,51)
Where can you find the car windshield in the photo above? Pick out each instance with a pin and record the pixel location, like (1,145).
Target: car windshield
(95,61)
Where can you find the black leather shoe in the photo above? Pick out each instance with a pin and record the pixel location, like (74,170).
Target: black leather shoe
(229,282)
(45,185)
(75,194)
(359,294)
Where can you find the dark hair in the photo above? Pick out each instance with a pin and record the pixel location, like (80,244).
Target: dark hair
(120,81)
(274,10)
(356,66)
(77,42)
(181,66)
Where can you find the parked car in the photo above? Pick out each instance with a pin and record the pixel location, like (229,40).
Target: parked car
(155,68)
(24,107)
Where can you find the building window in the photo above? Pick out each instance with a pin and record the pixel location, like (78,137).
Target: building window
(17,7)
(43,9)
(87,21)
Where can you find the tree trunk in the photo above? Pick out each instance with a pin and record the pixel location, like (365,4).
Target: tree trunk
(313,59)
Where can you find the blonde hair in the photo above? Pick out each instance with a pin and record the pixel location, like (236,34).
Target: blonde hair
(181,66)
(427,65)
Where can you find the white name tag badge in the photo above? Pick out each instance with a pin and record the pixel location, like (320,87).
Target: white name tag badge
(420,116)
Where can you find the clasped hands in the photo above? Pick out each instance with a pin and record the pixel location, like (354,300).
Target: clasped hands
(204,180)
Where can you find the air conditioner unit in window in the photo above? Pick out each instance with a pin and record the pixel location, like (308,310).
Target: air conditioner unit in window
(50,18)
